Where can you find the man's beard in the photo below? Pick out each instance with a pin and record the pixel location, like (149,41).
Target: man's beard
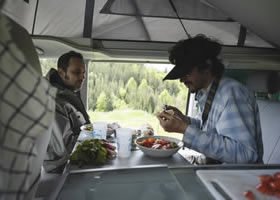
(66,77)
(192,90)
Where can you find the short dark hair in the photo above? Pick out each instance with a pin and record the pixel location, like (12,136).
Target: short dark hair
(199,51)
(63,60)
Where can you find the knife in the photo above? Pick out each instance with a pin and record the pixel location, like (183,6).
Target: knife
(220,190)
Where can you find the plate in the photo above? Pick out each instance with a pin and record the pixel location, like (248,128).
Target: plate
(159,152)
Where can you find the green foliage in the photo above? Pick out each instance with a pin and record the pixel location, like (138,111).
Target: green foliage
(165,98)
(133,86)
(101,104)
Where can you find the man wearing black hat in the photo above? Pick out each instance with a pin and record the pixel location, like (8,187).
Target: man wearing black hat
(228,129)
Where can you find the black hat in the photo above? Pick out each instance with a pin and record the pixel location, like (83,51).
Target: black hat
(189,53)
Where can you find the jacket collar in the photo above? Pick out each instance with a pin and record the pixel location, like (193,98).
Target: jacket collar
(56,80)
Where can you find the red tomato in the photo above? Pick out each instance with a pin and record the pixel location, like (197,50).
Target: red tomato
(275,184)
(265,189)
(162,141)
(145,143)
(277,175)
(142,143)
(151,140)
(265,178)
(249,195)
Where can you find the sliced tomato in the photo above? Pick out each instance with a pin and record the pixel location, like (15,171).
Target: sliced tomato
(265,178)
(277,175)
(146,144)
(275,184)
(151,140)
(264,188)
(249,195)
(162,141)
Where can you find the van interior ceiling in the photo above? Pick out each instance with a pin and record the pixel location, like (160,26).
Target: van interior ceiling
(143,31)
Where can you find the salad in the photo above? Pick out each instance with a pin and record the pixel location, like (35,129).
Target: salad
(158,143)
(93,152)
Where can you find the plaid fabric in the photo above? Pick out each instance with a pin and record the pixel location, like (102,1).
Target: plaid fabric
(232,133)
(209,100)
(27,110)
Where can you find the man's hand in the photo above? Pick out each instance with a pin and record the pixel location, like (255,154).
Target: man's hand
(170,123)
(177,113)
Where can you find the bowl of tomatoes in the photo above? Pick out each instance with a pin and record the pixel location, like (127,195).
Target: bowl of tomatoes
(158,146)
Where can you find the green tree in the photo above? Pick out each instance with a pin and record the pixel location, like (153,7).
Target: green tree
(101,104)
(164,98)
(109,103)
(131,85)
(120,81)
(119,103)
(122,93)
(131,93)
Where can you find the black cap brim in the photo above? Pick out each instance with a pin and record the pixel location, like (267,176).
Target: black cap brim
(177,72)
(173,74)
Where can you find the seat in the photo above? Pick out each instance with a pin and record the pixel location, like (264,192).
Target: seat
(270,124)
(29,99)
(269,115)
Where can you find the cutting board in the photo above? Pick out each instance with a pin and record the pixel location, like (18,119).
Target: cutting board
(234,182)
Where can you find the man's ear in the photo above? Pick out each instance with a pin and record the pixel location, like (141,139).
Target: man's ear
(209,64)
(61,73)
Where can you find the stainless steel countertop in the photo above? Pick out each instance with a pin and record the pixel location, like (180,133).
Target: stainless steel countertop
(136,160)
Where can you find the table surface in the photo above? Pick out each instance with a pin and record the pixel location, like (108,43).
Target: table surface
(147,183)
(137,159)
(140,177)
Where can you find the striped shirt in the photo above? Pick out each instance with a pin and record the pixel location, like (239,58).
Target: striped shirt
(232,133)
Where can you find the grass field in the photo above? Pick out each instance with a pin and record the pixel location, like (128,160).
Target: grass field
(131,118)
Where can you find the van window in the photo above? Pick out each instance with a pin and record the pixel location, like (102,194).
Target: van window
(130,93)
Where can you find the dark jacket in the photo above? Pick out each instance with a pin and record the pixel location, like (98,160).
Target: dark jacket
(70,115)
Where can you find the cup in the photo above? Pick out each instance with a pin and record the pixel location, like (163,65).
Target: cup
(124,136)
(100,130)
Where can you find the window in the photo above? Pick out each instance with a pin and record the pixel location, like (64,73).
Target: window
(131,94)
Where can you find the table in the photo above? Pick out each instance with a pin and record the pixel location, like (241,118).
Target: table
(140,177)
(137,159)
(148,183)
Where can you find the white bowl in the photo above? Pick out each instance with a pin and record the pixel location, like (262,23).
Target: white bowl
(159,152)
(83,128)
(86,126)
(85,134)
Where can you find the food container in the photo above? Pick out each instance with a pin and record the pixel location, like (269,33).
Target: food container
(159,152)
(135,135)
